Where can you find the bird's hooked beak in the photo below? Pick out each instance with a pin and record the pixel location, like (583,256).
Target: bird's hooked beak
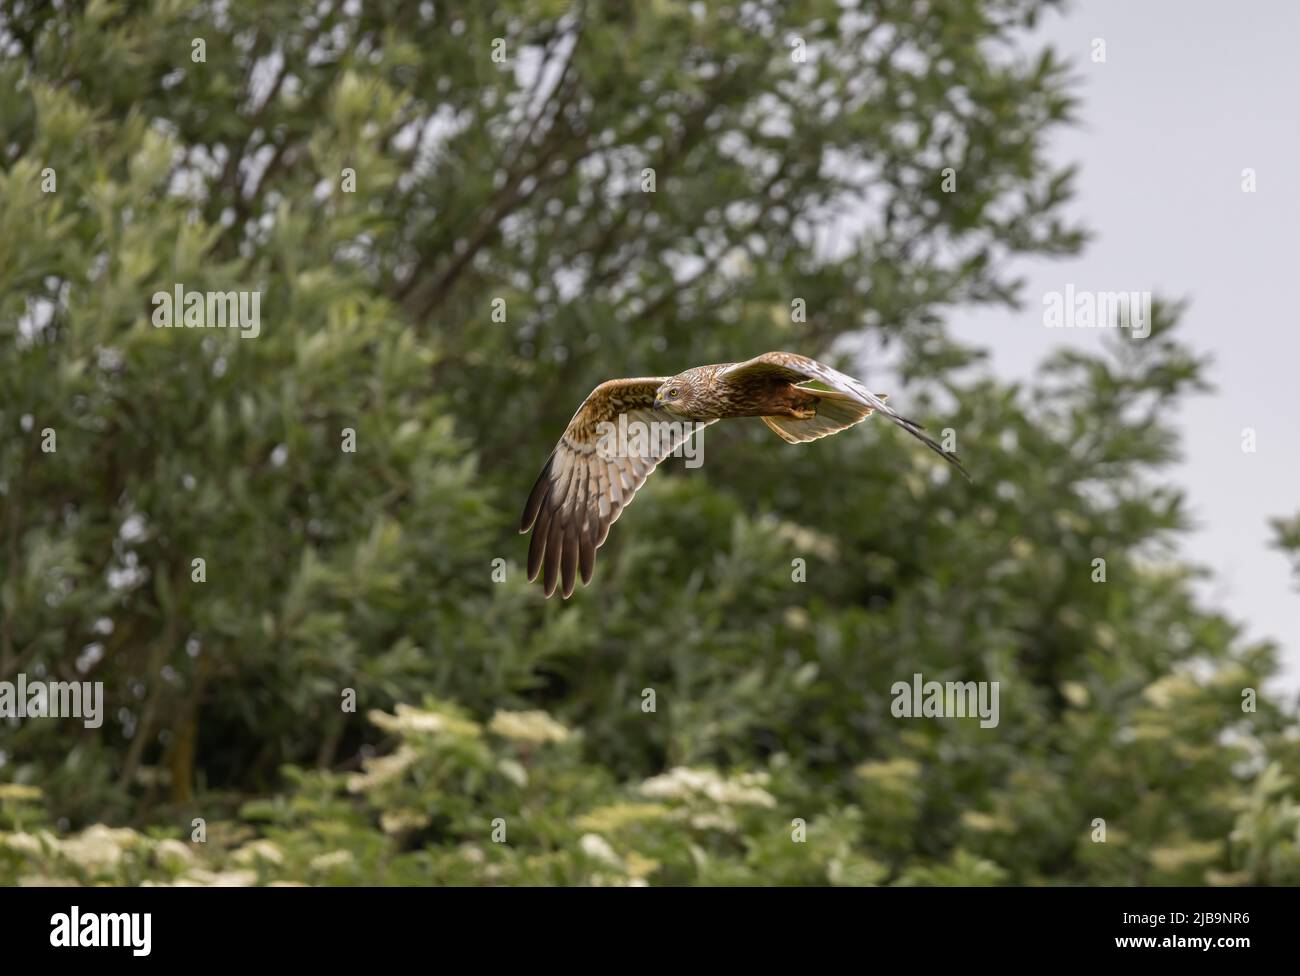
(659,401)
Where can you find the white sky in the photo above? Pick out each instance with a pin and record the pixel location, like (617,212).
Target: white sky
(1191,93)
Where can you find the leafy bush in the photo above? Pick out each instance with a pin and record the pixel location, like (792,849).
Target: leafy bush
(388,189)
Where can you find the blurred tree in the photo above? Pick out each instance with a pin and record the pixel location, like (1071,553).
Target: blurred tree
(459,218)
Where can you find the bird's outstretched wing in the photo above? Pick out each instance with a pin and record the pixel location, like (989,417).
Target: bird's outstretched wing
(584,486)
(794,368)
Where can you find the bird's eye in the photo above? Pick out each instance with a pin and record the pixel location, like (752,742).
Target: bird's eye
(673,392)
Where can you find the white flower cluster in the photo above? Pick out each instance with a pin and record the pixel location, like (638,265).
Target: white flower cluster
(534,727)
(100,850)
(408,719)
(258,850)
(687,783)
(95,848)
(382,769)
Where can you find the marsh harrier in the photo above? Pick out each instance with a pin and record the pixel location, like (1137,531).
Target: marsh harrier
(584,487)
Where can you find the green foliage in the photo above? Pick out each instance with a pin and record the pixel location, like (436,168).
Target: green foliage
(771,755)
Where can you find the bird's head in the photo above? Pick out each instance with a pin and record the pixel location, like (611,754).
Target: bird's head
(677,396)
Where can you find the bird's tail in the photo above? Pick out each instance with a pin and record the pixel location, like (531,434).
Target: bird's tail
(917,431)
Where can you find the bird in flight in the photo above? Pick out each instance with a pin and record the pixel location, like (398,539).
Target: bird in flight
(584,487)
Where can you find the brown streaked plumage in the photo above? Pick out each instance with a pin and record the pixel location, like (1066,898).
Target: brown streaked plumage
(582,490)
